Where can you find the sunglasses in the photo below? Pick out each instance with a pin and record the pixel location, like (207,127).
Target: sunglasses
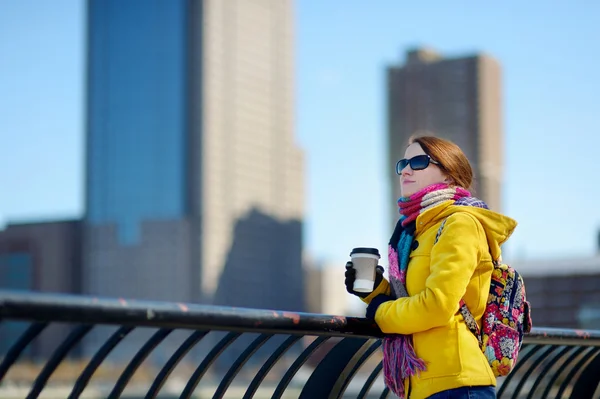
(419,162)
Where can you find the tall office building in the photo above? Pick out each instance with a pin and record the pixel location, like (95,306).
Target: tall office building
(194,180)
(454,98)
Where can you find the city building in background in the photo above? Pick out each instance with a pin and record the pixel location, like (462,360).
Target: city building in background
(45,257)
(194,182)
(563,292)
(326,292)
(458,99)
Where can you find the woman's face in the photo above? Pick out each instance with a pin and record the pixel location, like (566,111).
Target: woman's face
(411,180)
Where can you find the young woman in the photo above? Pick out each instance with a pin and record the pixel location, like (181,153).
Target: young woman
(429,352)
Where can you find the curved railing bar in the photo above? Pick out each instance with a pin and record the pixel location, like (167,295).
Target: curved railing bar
(239,363)
(576,369)
(385,393)
(363,358)
(520,363)
(547,351)
(206,363)
(544,373)
(576,353)
(137,360)
(291,372)
(370,380)
(266,367)
(59,354)
(18,347)
(173,361)
(97,360)
(588,383)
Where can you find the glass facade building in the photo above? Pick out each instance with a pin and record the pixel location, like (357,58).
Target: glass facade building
(191,153)
(137,113)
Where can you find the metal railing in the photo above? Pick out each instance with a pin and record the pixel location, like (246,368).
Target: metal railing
(270,354)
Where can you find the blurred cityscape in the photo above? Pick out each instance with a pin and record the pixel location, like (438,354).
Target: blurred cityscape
(195,186)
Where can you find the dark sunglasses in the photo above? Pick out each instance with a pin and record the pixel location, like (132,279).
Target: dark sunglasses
(419,162)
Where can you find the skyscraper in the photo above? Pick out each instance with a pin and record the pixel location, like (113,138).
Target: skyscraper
(193,175)
(454,98)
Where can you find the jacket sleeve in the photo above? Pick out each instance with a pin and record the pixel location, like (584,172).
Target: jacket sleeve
(453,261)
(382,289)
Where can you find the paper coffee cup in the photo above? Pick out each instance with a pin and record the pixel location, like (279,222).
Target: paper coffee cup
(365,262)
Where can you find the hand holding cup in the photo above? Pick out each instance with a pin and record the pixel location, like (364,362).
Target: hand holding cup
(363,274)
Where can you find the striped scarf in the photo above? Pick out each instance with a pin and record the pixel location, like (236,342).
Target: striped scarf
(400,361)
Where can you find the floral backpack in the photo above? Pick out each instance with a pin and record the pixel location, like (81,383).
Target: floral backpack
(507,317)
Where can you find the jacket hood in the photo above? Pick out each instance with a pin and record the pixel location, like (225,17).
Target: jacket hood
(498,228)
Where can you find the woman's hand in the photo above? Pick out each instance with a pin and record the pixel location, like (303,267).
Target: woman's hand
(351,277)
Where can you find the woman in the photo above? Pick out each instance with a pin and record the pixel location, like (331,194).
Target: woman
(439,254)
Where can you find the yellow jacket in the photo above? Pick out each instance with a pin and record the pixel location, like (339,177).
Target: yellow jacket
(458,266)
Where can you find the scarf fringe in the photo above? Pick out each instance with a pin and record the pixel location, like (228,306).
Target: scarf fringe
(399,363)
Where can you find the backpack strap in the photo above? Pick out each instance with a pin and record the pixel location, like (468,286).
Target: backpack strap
(464,310)
(470,320)
(439,232)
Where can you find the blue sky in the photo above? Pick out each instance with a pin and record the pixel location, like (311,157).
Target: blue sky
(550,60)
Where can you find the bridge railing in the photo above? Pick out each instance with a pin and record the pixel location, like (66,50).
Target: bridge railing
(111,348)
